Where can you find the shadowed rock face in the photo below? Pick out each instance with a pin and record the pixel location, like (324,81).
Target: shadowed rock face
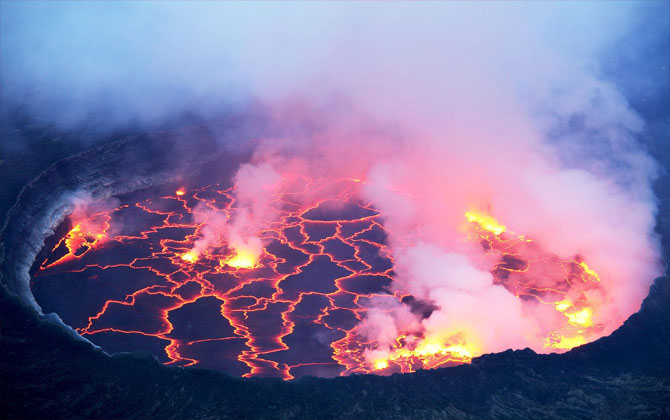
(48,374)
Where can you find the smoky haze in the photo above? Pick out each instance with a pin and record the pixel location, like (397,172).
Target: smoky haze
(513,109)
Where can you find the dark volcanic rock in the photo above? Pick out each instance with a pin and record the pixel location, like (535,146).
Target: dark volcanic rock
(48,374)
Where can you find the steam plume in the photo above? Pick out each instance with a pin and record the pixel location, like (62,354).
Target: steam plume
(494,108)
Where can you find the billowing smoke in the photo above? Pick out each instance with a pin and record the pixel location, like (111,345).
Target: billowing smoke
(438,109)
(255,187)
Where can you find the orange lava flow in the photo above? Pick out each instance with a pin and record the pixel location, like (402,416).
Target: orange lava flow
(294,309)
(84,236)
(532,273)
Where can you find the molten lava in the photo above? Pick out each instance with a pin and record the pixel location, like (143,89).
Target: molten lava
(189,256)
(242,259)
(86,234)
(428,355)
(517,273)
(485,221)
(295,308)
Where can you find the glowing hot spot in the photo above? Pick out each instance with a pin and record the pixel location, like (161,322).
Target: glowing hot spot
(430,348)
(459,351)
(562,306)
(429,353)
(485,221)
(580,318)
(180,191)
(381,364)
(556,341)
(589,271)
(189,256)
(243,259)
(85,235)
(576,317)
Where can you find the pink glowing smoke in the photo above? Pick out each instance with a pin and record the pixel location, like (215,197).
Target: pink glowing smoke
(460,124)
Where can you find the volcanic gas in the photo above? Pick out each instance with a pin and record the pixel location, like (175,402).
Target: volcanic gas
(303,293)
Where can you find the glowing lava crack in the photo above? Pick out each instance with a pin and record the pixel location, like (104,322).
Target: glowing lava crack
(130,278)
